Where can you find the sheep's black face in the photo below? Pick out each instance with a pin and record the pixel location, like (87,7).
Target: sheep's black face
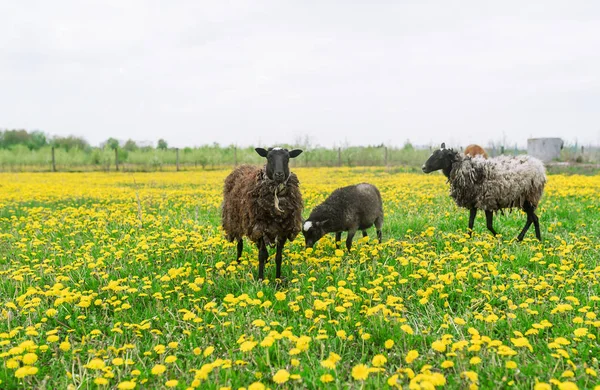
(312,231)
(440,159)
(278,162)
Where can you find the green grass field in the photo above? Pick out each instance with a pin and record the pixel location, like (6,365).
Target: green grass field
(125,281)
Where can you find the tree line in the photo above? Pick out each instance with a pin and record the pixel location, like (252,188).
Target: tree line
(35,140)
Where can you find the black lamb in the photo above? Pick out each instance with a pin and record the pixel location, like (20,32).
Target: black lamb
(347,209)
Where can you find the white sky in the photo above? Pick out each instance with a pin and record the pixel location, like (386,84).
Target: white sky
(265,72)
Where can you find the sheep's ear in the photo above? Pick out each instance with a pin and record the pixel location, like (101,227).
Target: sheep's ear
(443,145)
(321,223)
(261,152)
(295,153)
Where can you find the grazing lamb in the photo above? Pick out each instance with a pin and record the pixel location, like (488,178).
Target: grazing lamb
(475,150)
(504,182)
(347,209)
(263,204)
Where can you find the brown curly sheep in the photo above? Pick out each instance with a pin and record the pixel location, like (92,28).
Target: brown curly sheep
(263,204)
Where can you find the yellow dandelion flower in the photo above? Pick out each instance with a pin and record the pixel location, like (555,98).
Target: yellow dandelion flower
(411,356)
(281,377)
(256,386)
(379,360)
(95,364)
(475,360)
(407,329)
(360,372)
(567,386)
(471,375)
(280,296)
(439,346)
(101,381)
(29,358)
(25,371)
(247,346)
(459,321)
(171,359)
(158,369)
(126,385)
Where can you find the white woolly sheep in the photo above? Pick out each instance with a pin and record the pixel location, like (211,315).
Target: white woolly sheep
(504,182)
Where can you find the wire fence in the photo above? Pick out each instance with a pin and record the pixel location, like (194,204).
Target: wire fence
(213,157)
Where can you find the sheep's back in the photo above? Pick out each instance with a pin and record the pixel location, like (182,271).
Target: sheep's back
(236,201)
(498,183)
(356,206)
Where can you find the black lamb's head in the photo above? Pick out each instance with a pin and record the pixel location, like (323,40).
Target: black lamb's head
(278,162)
(440,159)
(313,231)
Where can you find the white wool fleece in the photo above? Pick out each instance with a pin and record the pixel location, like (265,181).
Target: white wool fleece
(497,183)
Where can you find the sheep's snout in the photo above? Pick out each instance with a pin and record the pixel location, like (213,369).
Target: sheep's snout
(424,168)
(279,177)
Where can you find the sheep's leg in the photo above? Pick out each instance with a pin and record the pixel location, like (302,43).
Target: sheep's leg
(378,224)
(527,224)
(278,259)
(489,219)
(263,255)
(536,224)
(338,238)
(349,238)
(472,214)
(531,218)
(240,247)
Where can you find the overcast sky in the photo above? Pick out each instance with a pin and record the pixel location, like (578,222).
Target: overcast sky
(265,72)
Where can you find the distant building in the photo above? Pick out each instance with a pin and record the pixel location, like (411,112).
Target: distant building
(546,149)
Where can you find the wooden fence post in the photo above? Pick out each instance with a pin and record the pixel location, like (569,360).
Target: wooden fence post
(53,161)
(177,159)
(386,156)
(117,159)
(235,156)
(339,157)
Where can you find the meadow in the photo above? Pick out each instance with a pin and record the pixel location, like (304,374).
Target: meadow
(125,280)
